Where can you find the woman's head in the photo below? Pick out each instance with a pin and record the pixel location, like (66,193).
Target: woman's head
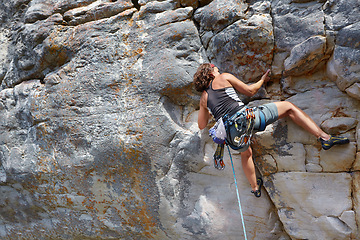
(203,76)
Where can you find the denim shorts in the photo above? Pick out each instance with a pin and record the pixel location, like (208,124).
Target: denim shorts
(270,112)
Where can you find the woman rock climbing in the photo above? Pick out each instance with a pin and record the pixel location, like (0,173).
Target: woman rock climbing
(220,99)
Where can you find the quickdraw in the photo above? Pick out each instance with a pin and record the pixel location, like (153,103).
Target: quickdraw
(218,157)
(249,113)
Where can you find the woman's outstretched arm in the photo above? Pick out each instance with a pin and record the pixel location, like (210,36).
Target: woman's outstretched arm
(248,90)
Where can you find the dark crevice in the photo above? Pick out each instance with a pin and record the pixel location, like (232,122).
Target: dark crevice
(42,81)
(204,3)
(136,4)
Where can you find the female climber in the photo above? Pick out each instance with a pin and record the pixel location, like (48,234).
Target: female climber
(219,97)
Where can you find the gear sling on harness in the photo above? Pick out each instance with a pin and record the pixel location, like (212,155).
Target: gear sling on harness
(238,128)
(236,133)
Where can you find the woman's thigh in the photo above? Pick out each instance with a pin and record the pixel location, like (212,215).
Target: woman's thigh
(269,115)
(284,108)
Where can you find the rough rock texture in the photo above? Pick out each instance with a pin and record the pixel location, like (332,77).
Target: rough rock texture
(98,119)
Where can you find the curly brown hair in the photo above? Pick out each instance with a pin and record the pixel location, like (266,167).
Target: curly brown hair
(203,76)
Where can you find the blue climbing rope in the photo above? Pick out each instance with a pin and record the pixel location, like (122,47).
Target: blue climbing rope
(237,193)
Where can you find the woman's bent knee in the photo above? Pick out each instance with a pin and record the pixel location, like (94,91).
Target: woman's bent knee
(284,108)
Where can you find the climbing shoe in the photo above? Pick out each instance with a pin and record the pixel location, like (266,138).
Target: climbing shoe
(333,141)
(257,193)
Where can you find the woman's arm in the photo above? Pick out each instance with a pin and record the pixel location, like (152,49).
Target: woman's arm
(204,115)
(248,90)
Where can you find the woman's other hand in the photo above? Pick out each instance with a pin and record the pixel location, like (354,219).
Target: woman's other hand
(266,76)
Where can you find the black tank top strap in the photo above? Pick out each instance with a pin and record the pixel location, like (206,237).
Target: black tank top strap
(209,87)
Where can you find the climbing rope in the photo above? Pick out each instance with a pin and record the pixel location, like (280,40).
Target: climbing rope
(237,193)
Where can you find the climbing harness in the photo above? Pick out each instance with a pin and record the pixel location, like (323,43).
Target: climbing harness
(262,121)
(237,193)
(239,129)
(235,131)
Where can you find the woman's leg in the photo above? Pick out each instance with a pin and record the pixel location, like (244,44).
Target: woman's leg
(249,168)
(300,118)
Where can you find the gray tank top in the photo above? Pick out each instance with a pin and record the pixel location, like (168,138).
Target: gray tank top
(223,101)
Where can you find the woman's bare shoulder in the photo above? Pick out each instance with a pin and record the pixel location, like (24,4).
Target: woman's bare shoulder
(222,81)
(226,76)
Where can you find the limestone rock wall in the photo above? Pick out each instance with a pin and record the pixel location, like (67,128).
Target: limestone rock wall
(98,119)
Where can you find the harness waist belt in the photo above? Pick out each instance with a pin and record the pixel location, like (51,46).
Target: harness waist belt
(232,113)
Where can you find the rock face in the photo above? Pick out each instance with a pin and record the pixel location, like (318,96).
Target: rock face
(98,119)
